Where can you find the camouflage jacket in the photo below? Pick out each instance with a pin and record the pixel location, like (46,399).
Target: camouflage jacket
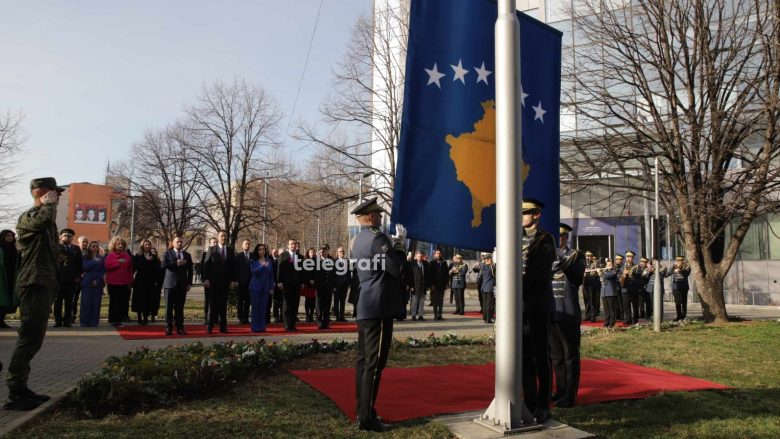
(38,247)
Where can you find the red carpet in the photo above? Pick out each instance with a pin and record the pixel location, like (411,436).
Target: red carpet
(600,323)
(408,393)
(135,332)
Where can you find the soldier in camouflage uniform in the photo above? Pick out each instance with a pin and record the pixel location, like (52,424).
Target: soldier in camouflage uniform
(37,286)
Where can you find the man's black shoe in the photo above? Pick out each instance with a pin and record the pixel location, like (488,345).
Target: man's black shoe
(374,425)
(541,416)
(58,325)
(168,331)
(66,324)
(209,330)
(181,332)
(223,331)
(21,402)
(564,403)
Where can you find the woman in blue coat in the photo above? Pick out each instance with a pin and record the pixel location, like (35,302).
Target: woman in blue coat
(92,284)
(261,285)
(610,288)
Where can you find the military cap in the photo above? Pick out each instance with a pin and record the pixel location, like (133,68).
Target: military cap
(458,255)
(588,253)
(643,259)
(367,207)
(680,258)
(531,204)
(67,232)
(45,182)
(630,253)
(618,257)
(564,229)
(486,255)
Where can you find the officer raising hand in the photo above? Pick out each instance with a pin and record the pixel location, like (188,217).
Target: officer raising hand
(380,261)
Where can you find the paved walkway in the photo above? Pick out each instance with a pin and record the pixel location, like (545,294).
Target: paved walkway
(70,353)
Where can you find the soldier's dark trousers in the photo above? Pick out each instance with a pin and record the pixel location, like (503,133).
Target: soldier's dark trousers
(565,358)
(647,303)
(610,311)
(537,374)
(218,308)
(627,301)
(243,304)
(34,306)
(481,299)
(488,305)
(594,298)
(374,339)
(460,300)
(586,301)
(64,299)
(681,303)
(174,306)
(76,294)
(339,302)
(292,298)
(324,299)
(206,303)
(437,297)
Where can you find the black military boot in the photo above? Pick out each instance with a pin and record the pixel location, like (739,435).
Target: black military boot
(19,400)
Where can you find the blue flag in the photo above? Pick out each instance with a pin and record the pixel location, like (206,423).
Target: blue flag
(445,186)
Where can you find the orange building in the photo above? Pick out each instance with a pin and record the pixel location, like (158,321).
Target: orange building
(87,209)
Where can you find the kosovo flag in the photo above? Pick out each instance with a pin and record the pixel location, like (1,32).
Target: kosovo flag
(445,186)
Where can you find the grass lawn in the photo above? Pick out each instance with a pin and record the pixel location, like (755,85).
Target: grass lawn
(276,405)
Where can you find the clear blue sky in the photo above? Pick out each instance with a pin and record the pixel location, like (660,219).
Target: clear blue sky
(92,76)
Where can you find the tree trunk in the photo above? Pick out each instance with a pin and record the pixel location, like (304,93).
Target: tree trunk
(710,290)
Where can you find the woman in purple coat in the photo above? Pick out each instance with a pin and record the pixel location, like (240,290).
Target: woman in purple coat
(261,285)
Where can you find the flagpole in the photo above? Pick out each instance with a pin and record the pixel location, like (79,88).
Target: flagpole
(508,413)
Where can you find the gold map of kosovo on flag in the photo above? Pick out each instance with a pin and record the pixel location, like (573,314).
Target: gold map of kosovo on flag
(474,155)
(445,182)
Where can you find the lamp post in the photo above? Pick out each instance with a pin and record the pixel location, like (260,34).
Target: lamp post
(318,232)
(265,206)
(132,222)
(366,175)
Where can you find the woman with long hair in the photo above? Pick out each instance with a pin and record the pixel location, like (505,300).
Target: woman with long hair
(261,286)
(92,284)
(309,291)
(9,266)
(119,277)
(147,277)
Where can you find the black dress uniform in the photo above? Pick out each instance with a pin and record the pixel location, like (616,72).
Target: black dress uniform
(71,269)
(568,274)
(680,287)
(591,290)
(630,293)
(380,291)
(538,305)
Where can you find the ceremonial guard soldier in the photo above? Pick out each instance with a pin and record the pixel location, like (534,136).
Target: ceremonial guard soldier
(538,305)
(680,273)
(568,273)
(591,289)
(458,272)
(610,290)
(645,296)
(486,283)
(631,286)
(380,263)
(618,265)
(71,269)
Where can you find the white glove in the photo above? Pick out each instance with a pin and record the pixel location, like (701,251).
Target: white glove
(400,234)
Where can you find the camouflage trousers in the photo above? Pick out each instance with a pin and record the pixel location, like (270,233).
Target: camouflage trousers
(34,306)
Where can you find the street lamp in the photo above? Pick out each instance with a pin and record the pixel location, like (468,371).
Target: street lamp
(366,175)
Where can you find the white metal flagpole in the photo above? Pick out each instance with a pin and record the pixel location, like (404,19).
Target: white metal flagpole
(508,413)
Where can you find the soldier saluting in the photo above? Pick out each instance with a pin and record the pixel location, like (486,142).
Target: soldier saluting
(37,286)
(380,262)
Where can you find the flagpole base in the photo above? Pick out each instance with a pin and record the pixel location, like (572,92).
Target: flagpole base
(519,419)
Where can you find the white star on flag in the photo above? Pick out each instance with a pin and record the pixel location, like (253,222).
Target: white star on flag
(538,112)
(523,95)
(434,76)
(482,73)
(460,72)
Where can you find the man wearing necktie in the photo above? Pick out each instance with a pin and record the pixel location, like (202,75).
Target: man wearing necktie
(70,276)
(177,264)
(244,275)
(219,274)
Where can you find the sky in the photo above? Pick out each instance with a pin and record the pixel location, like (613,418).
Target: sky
(91,77)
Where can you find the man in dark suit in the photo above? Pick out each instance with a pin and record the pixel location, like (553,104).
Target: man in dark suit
(380,289)
(177,265)
(422,280)
(70,275)
(538,306)
(341,280)
(243,276)
(440,277)
(289,276)
(325,284)
(206,290)
(219,274)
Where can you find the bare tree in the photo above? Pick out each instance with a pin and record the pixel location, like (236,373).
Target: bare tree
(11,140)
(694,83)
(232,132)
(166,180)
(366,100)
